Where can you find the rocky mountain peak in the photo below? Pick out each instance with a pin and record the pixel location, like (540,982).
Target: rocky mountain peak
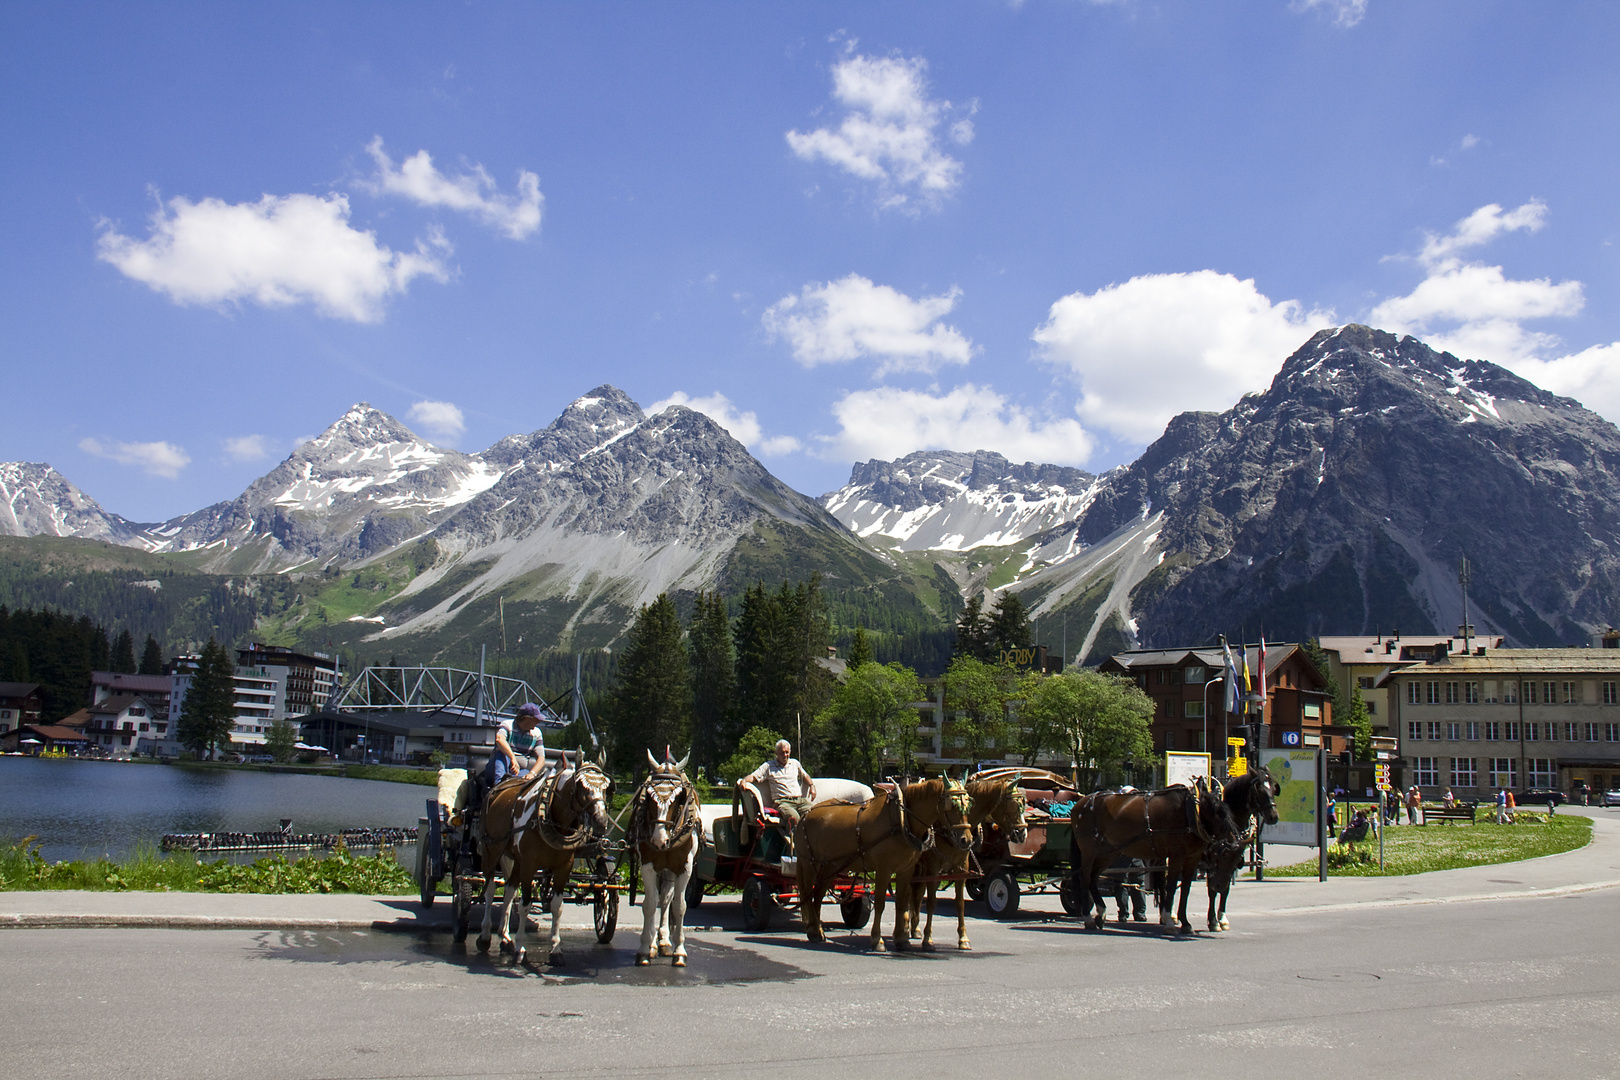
(36,500)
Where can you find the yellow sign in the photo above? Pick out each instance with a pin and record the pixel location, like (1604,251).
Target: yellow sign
(1381,776)
(1234,741)
(1237,766)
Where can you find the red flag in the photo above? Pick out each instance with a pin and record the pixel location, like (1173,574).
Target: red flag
(1261,691)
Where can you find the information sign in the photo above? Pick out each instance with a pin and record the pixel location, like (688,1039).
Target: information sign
(1295,773)
(1181,767)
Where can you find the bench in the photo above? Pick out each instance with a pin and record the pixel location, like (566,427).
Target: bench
(1460,812)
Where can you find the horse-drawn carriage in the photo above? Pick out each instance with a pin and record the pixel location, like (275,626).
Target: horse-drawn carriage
(448,848)
(747,848)
(1010,868)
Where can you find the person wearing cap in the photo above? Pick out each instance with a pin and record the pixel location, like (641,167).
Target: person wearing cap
(518,747)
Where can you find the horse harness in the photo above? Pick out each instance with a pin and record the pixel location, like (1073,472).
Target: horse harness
(676,831)
(1202,787)
(920,844)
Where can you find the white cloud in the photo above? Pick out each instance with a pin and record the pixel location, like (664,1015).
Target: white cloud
(246,448)
(279,251)
(417,179)
(1470,141)
(890,132)
(838,321)
(157,458)
(439,419)
(888,423)
(1345,13)
(743,426)
(1591,376)
(1162,344)
(1475,310)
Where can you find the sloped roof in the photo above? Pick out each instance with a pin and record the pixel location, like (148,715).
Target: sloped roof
(17,689)
(117,704)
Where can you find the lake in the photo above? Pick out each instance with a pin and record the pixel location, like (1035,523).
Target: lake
(86,809)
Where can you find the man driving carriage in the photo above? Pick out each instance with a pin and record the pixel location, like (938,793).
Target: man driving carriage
(786,786)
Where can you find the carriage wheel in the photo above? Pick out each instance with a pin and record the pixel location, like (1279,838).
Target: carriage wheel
(427,886)
(757,903)
(694,891)
(857,911)
(1069,898)
(975,888)
(1001,894)
(607,915)
(461,900)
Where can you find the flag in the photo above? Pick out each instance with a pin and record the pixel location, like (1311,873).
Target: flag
(1248,687)
(1261,690)
(1231,677)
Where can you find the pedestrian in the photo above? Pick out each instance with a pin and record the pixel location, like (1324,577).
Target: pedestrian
(1501,806)
(1512,806)
(1332,816)
(1414,802)
(1553,799)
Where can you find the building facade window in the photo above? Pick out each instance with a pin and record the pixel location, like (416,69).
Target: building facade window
(1193,710)
(1414,693)
(1471,693)
(1532,732)
(1432,694)
(1463,773)
(1453,692)
(1611,693)
(1427,772)
(1453,731)
(1364,681)
(1539,772)
(1572,693)
(1493,731)
(1414,730)
(1472,730)
(1503,773)
(1434,731)
(1195,676)
(1510,693)
(1530,693)
(1510,731)
(1372,708)
(1169,740)
(1591,732)
(1611,732)
(1569,733)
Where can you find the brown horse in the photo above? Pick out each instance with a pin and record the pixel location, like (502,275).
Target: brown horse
(884,837)
(1252,798)
(999,801)
(1170,827)
(536,825)
(663,834)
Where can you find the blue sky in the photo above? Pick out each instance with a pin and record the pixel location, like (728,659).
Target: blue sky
(847,231)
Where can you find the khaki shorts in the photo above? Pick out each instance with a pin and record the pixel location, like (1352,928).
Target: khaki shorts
(792,810)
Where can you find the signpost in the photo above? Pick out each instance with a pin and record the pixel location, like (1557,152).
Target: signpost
(1180,768)
(1237,764)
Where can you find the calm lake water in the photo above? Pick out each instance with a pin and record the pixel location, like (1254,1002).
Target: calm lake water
(85,809)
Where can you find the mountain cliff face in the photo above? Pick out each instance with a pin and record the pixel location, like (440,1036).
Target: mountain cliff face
(361,487)
(941,500)
(1342,499)
(36,500)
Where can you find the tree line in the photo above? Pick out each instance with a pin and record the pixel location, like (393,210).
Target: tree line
(59,651)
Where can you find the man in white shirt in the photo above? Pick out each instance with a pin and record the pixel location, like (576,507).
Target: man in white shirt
(786,785)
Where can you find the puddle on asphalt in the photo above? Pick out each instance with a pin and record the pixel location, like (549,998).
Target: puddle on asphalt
(708,963)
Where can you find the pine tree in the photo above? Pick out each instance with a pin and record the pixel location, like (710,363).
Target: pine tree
(860,650)
(972,632)
(652,707)
(714,680)
(208,714)
(151,657)
(123,654)
(1009,626)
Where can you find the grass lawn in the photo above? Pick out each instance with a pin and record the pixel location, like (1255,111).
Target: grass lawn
(1418,849)
(148,870)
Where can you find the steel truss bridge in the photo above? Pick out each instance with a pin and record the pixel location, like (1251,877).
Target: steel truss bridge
(453,692)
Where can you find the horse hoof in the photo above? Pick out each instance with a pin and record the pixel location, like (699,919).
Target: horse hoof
(483,944)
(878,946)
(664,950)
(641,960)
(1224,924)
(555,960)
(965,945)
(519,956)
(680,960)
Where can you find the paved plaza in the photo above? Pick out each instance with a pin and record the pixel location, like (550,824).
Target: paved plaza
(1499,971)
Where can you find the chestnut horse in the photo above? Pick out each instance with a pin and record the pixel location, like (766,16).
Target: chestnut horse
(884,837)
(1252,798)
(1000,801)
(1172,827)
(663,834)
(536,825)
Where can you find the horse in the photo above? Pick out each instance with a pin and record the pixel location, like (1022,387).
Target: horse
(883,836)
(999,801)
(1172,826)
(1252,798)
(663,832)
(535,825)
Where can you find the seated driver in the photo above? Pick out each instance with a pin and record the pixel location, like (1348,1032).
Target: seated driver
(518,747)
(786,785)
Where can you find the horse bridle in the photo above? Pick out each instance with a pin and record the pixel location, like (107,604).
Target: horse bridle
(671,785)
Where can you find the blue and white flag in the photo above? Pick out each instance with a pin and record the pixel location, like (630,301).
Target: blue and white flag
(1232,689)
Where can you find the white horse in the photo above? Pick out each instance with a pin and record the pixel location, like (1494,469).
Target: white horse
(664,831)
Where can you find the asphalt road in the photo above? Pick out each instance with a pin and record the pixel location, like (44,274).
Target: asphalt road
(1494,989)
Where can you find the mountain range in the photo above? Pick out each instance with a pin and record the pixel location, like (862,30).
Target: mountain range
(1338,500)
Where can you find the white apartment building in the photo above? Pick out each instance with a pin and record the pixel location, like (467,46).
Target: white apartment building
(1508,718)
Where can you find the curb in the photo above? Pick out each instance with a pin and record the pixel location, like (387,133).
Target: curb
(1528,894)
(54,921)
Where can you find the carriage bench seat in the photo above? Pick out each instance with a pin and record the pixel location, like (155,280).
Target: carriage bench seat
(1450,815)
